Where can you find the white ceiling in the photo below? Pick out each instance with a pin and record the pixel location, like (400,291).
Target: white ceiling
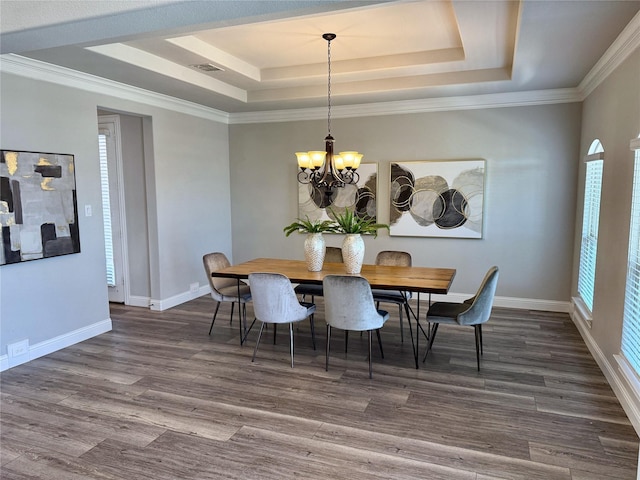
(273,56)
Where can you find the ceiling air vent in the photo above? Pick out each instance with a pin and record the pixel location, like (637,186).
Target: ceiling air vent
(207,67)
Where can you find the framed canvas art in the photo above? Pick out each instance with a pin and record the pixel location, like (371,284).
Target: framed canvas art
(38,206)
(437,198)
(359,198)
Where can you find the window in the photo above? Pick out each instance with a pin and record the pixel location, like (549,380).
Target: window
(631,324)
(590,220)
(106,207)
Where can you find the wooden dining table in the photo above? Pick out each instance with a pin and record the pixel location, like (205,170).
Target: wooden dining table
(410,279)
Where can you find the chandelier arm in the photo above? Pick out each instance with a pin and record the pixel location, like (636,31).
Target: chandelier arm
(304,176)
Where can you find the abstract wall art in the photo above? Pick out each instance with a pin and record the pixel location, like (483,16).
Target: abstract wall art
(38,206)
(437,198)
(360,198)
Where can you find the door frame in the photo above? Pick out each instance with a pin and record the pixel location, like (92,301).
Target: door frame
(121,261)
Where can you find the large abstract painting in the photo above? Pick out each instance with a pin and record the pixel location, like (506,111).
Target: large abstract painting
(317,203)
(437,199)
(38,206)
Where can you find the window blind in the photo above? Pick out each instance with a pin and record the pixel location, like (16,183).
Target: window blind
(106,209)
(631,324)
(590,221)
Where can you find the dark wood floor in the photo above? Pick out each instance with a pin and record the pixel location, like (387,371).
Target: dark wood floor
(157,398)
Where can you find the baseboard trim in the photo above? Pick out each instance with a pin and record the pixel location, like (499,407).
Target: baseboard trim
(509,302)
(629,400)
(137,301)
(54,344)
(160,305)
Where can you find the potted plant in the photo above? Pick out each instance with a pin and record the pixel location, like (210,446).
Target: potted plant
(314,245)
(353,226)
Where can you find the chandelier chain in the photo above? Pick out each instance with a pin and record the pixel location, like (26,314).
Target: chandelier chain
(329,86)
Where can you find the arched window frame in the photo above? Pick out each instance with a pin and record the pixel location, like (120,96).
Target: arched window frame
(630,341)
(590,223)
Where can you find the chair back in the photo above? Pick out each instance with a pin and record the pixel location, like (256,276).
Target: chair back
(480,309)
(333,255)
(212,263)
(393,258)
(274,300)
(348,303)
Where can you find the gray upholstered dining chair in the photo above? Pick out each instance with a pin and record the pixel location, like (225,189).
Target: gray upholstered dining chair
(226,289)
(348,306)
(472,312)
(400,298)
(274,301)
(332,255)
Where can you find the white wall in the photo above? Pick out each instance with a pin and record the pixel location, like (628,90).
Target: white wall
(611,113)
(57,301)
(531,172)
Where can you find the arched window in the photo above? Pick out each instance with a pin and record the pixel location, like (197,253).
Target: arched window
(590,220)
(631,325)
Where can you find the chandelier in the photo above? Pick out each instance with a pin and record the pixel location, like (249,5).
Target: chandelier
(325,170)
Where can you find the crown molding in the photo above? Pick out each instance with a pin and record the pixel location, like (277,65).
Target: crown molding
(618,51)
(27,67)
(470,102)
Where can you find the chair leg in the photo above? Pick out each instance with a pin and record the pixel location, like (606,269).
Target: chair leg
(346,340)
(255,350)
(233,304)
(370,367)
(379,342)
(313,331)
(242,312)
(401,328)
(326,366)
(413,343)
(480,332)
(477,332)
(291,342)
(244,315)
(215,314)
(275,325)
(432,337)
(246,333)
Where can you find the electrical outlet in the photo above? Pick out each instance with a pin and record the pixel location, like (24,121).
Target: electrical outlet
(194,287)
(18,348)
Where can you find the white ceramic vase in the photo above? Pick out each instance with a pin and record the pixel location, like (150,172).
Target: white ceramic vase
(314,250)
(353,252)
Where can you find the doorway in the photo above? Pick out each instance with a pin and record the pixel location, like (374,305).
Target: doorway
(113,207)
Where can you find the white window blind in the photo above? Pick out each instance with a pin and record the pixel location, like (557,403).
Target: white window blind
(590,221)
(631,324)
(106,209)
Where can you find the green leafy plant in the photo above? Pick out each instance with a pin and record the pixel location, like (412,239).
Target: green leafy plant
(349,222)
(310,226)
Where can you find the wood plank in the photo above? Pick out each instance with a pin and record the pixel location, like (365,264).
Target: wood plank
(158,398)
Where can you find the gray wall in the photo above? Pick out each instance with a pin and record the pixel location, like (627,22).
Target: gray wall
(612,114)
(188,206)
(532,165)
(135,197)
